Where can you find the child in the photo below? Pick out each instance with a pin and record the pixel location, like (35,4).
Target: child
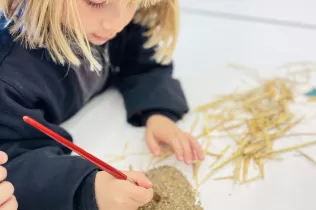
(7,199)
(57,55)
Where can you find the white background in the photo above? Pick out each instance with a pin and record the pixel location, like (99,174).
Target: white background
(301,11)
(207,43)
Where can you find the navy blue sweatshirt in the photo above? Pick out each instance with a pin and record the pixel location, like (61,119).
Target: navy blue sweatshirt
(45,176)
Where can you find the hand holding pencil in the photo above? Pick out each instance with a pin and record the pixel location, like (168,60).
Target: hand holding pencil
(114,194)
(113,188)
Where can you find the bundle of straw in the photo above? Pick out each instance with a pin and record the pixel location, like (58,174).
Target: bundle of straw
(263,116)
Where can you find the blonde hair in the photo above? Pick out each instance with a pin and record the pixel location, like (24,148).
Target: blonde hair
(39,24)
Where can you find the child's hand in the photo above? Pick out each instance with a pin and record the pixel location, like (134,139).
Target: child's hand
(7,199)
(114,194)
(161,129)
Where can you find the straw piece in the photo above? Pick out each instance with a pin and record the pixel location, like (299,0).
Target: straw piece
(307,157)
(230,127)
(196,167)
(252,179)
(220,156)
(138,154)
(238,163)
(206,124)
(288,149)
(283,136)
(254,148)
(228,160)
(116,159)
(205,107)
(212,172)
(125,147)
(163,158)
(208,142)
(211,154)
(261,167)
(224,178)
(194,124)
(268,141)
(246,167)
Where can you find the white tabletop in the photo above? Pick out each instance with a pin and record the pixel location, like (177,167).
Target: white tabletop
(205,47)
(295,11)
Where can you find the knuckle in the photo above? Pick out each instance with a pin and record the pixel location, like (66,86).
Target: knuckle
(10,186)
(15,204)
(179,135)
(150,195)
(3,172)
(174,139)
(187,146)
(175,144)
(147,196)
(6,186)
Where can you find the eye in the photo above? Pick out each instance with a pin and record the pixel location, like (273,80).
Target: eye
(95,5)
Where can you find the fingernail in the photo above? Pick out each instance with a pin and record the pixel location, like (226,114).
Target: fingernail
(156,152)
(180,157)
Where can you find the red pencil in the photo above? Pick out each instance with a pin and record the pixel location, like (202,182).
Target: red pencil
(104,166)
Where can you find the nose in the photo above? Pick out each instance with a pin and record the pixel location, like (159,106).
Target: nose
(115,20)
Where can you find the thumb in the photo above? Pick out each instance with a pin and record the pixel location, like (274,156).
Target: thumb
(143,193)
(140,179)
(152,144)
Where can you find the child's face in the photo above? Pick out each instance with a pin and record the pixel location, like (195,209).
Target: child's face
(102,21)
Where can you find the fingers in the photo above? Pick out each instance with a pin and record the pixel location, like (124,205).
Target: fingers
(3,157)
(186,147)
(7,190)
(140,179)
(195,145)
(3,173)
(141,195)
(152,144)
(10,204)
(177,147)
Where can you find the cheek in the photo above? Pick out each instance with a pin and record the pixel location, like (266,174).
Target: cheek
(131,14)
(86,18)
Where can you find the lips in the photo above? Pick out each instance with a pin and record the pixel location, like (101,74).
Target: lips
(101,38)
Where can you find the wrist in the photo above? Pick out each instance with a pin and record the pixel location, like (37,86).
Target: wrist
(85,198)
(149,115)
(102,178)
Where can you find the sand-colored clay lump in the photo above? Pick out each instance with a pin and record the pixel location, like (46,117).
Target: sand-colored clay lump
(175,190)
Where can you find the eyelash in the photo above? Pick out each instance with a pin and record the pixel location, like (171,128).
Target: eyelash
(95,5)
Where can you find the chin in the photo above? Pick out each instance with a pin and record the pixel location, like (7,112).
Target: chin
(98,43)
(94,42)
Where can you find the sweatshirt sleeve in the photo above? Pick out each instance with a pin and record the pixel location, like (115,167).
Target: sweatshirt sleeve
(43,173)
(147,87)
